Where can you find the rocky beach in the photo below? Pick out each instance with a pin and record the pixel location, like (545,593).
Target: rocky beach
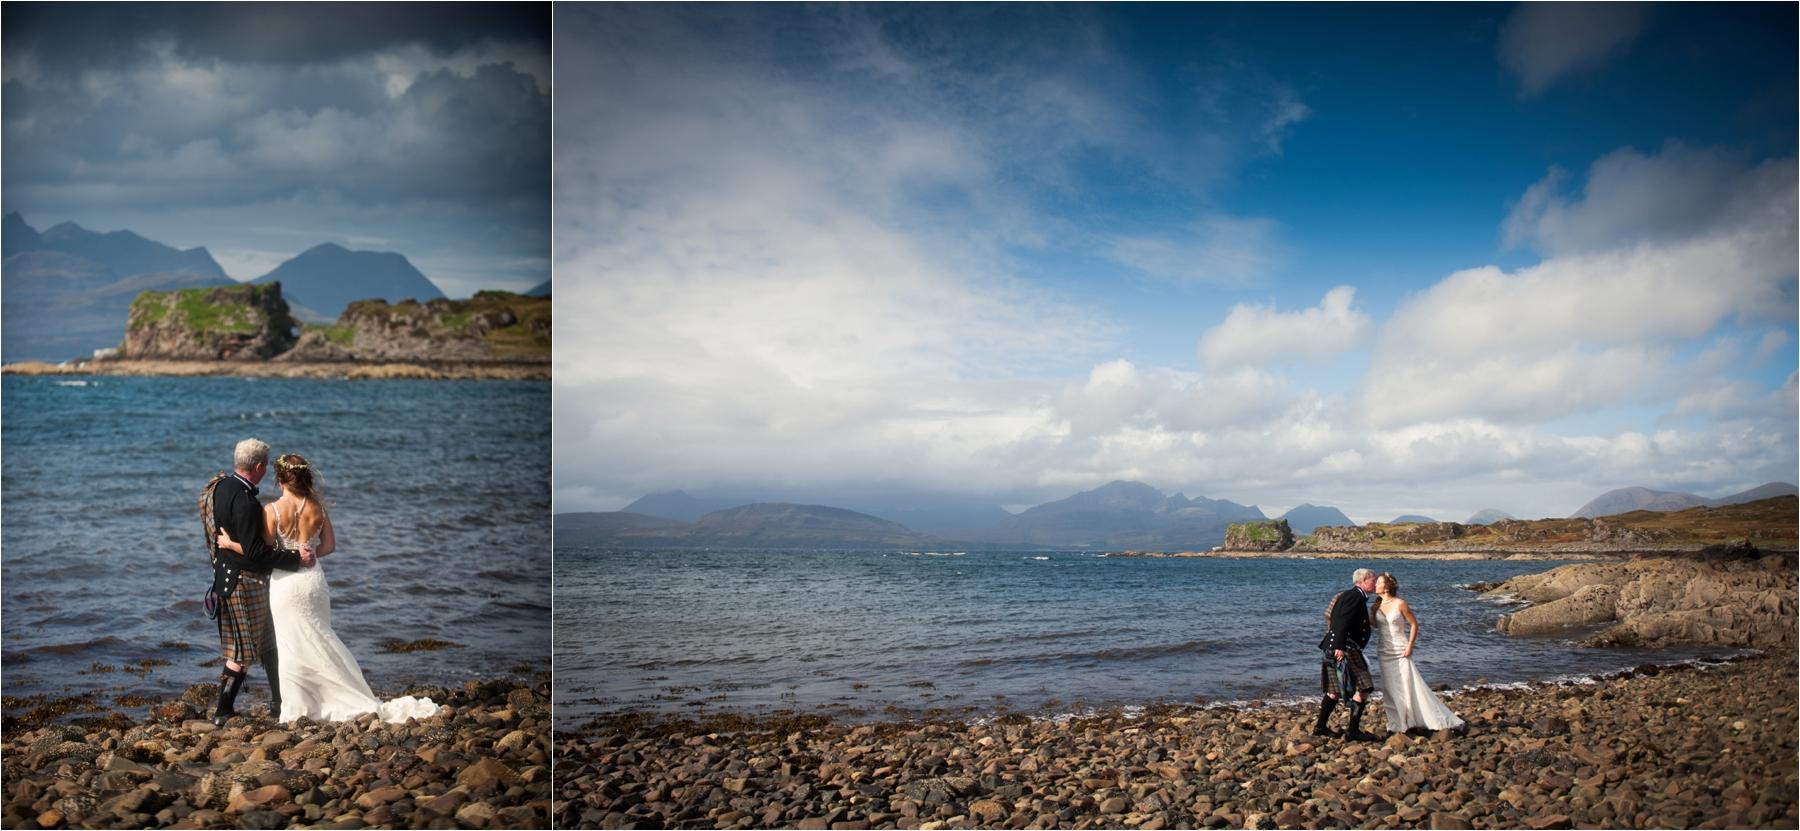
(483,762)
(1657,747)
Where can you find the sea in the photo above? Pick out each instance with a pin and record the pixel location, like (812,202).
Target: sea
(439,492)
(873,635)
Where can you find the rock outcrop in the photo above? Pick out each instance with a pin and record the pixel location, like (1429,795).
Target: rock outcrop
(491,326)
(1262,535)
(222,323)
(1725,596)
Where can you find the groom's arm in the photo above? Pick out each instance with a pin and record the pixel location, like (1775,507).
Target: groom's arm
(246,527)
(1341,614)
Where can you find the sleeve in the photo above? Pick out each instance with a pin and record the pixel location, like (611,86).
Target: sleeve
(1340,623)
(247,529)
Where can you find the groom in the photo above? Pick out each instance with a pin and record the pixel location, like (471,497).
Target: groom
(240,587)
(1343,670)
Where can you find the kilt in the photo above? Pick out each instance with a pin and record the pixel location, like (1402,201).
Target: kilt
(244,624)
(1351,679)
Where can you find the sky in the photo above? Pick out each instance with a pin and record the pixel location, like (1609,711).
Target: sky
(259,130)
(1419,259)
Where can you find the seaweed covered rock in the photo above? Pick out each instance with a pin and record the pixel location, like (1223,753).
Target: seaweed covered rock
(221,323)
(491,326)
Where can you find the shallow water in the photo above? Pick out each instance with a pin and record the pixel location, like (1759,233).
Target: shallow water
(439,491)
(872,634)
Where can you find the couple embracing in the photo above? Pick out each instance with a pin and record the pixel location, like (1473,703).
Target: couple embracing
(1344,672)
(271,599)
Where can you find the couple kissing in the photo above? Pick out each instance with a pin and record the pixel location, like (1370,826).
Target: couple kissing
(271,600)
(1344,672)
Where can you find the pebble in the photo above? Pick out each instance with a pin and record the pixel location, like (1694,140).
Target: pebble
(1617,753)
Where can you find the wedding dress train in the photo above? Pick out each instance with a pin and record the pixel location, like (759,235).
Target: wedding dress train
(320,679)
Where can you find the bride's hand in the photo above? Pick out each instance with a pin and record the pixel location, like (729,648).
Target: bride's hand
(1407,653)
(226,542)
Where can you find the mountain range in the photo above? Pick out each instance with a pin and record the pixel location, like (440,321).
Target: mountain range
(1304,518)
(1625,500)
(68,290)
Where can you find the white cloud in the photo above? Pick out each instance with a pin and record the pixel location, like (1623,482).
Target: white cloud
(1542,42)
(1260,335)
(1596,324)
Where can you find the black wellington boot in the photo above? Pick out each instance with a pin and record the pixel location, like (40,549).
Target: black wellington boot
(1355,733)
(1322,726)
(272,667)
(229,684)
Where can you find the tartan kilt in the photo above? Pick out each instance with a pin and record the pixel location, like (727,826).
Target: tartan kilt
(244,621)
(1355,677)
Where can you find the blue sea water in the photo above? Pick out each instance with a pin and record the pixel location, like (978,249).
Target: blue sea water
(439,492)
(864,634)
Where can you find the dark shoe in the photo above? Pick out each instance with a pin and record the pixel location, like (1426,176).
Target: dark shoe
(229,684)
(1321,726)
(1355,733)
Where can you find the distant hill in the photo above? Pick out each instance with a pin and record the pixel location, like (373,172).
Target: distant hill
(677,505)
(1122,515)
(327,278)
(1486,516)
(67,291)
(1304,518)
(1624,500)
(762,525)
(1410,518)
(539,290)
(1768,524)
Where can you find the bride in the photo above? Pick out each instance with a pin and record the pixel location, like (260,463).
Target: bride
(1409,702)
(320,679)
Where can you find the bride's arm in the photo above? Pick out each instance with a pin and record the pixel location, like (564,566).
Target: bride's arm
(268,534)
(327,536)
(1406,609)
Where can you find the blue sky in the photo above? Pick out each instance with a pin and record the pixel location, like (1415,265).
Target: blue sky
(1420,259)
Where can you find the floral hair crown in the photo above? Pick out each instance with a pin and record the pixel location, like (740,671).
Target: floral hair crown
(287,465)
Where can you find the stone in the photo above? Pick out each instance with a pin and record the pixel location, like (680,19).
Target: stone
(258,799)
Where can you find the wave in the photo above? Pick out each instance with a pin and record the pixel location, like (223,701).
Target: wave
(107,642)
(76,384)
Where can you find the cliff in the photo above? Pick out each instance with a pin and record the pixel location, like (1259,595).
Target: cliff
(223,323)
(491,326)
(1263,535)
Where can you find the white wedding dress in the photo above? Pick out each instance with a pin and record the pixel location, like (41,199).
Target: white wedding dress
(1408,701)
(320,679)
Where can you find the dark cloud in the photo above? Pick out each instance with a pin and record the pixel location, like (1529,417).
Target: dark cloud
(78,35)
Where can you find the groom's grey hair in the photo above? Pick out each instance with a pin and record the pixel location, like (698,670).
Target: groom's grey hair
(249,454)
(1360,575)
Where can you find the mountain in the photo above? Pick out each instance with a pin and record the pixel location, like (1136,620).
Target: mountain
(16,237)
(125,253)
(1410,518)
(68,290)
(677,505)
(327,278)
(1121,515)
(539,290)
(1624,500)
(762,525)
(1487,516)
(1760,492)
(1304,518)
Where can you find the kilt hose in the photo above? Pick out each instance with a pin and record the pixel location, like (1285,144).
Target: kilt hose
(1348,678)
(245,628)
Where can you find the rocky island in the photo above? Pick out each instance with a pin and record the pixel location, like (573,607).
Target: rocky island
(248,330)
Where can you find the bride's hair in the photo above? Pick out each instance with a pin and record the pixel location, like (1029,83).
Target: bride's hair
(1393,587)
(294,474)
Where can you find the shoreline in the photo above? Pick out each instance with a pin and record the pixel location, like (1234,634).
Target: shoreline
(483,762)
(347,370)
(1520,553)
(1653,746)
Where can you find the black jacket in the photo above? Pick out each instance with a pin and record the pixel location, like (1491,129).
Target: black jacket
(1349,627)
(237,513)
